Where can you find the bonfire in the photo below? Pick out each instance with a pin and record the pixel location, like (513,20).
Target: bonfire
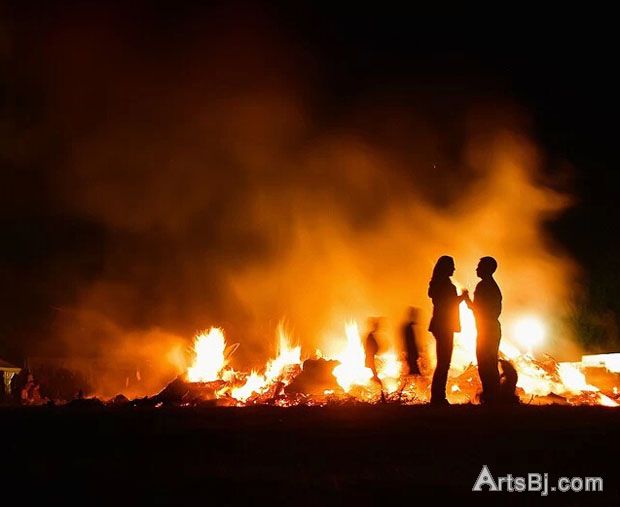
(288,380)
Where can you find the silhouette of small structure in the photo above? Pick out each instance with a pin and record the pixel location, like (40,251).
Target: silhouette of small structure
(8,372)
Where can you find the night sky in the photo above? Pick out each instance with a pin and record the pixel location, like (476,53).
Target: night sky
(68,70)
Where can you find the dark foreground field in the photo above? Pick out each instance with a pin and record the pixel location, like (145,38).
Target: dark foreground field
(319,456)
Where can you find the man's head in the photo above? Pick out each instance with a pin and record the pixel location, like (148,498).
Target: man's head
(374,323)
(486,267)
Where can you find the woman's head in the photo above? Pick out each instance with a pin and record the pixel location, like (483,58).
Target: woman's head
(444,268)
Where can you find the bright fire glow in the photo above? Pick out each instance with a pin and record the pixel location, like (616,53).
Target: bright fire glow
(210,360)
(573,378)
(287,357)
(536,377)
(465,342)
(389,371)
(352,369)
(529,331)
(253,384)
(609,361)
(533,378)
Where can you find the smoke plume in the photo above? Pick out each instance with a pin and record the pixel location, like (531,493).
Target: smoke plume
(231,188)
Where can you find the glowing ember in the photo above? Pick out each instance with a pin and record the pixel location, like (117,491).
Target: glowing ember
(210,360)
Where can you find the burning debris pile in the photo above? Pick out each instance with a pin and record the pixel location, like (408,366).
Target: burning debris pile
(286,380)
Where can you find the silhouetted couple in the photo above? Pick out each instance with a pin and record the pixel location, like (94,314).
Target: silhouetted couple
(486,305)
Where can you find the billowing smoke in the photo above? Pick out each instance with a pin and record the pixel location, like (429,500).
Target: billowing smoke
(233,190)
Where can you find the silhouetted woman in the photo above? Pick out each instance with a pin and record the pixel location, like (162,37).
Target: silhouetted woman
(444,323)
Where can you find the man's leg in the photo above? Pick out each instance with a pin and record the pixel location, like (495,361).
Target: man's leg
(482,365)
(494,336)
(487,349)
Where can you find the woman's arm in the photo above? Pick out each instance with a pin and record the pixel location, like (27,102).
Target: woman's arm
(465,297)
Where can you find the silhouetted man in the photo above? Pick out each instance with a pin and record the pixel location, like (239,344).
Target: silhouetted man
(411,347)
(371,347)
(487,306)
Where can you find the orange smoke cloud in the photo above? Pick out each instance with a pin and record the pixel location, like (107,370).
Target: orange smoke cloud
(228,196)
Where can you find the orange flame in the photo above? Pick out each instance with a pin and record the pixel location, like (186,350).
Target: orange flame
(352,368)
(275,371)
(536,378)
(209,360)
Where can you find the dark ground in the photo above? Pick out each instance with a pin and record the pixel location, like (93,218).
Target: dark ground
(318,456)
